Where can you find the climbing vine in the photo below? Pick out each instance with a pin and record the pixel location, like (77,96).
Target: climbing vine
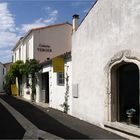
(65,105)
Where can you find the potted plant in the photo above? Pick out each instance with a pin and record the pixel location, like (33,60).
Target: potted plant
(130,113)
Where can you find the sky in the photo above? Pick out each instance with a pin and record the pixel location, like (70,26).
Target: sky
(17,17)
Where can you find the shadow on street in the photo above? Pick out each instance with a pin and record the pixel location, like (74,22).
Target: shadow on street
(9,127)
(42,120)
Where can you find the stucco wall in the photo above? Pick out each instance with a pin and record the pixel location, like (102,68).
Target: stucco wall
(58,38)
(24,52)
(31,47)
(23,48)
(111,26)
(2,74)
(57,92)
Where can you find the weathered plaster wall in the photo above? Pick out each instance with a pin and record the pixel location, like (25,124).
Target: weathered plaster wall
(57,92)
(23,49)
(31,47)
(2,75)
(58,38)
(110,27)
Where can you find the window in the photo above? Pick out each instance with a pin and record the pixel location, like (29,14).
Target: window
(19,53)
(3,71)
(27,50)
(15,56)
(60,78)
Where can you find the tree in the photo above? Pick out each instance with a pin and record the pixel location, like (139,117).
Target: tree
(8,80)
(32,67)
(17,70)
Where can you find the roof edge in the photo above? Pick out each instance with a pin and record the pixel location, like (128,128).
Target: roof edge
(39,28)
(87,13)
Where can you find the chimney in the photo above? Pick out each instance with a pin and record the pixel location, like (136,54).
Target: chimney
(75,22)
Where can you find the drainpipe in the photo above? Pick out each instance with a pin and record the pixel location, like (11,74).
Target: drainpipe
(75,22)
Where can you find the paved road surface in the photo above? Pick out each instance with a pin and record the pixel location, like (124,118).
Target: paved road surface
(54,122)
(9,127)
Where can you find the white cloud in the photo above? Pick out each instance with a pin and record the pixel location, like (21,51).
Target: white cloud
(53,13)
(7,39)
(9,32)
(8,35)
(26,27)
(51,18)
(6,18)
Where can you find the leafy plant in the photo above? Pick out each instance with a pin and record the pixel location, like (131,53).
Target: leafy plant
(8,80)
(130,111)
(17,70)
(32,67)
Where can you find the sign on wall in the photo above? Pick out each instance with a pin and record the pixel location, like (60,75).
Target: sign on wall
(44,48)
(58,64)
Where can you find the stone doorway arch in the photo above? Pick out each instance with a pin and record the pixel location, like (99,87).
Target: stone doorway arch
(121,59)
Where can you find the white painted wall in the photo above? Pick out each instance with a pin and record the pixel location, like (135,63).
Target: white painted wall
(24,53)
(57,37)
(23,46)
(57,92)
(17,54)
(31,47)
(2,75)
(111,26)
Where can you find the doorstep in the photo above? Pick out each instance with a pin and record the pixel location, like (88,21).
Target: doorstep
(128,129)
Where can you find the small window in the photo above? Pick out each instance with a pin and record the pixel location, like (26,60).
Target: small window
(27,50)
(15,57)
(19,53)
(3,71)
(60,78)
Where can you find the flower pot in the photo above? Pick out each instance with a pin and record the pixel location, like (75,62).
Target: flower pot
(129,120)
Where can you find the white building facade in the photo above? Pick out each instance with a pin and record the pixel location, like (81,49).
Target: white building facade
(2,75)
(43,44)
(106,65)
(54,85)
